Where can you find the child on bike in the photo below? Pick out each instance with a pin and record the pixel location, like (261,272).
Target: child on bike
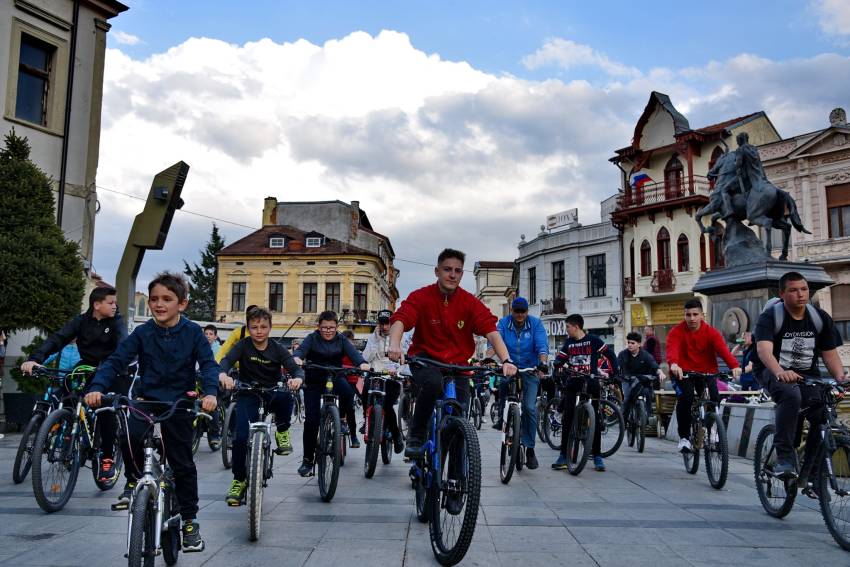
(168,346)
(260,362)
(98,332)
(635,361)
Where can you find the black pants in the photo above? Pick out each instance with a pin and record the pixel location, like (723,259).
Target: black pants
(789,398)
(177,435)
(107,422)
(685,392)
(312,411)
(572,387)
(429,380)
(247,412)
(391,394)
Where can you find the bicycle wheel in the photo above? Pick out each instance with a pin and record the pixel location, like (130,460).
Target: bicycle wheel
(716,449)
(387,449)
(328,452)
(510,445)
(613,428)
(142,526)
(56,461)
(170,536)
(580,440)
(403,415)
(477,413)
(375,430)
(776,495)
(197,433)
(834,491)
(640,426)
(215,425)
(423,500)
(552,424)
(256,480)
(23,458)
(691,458)
(540,408)
(117,459)
(228,430)
(494,412)
(454,510)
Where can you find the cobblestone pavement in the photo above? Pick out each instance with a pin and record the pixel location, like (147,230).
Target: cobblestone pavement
(645,510)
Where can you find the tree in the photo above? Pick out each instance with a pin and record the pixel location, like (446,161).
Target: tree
(203,280)
(41,273)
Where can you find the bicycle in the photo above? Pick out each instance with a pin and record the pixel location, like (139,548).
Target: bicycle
(583,427)
(612,424)
(825,475)
(50,400)
(512,455)
(298,406)
(153,519)
(376,436)
(406,404)
(209,427)
(66,439)
(706,424)
(638,415)
(474,409)
(447,479)
(541,404)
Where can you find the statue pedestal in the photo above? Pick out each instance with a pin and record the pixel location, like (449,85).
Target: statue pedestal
(738,294)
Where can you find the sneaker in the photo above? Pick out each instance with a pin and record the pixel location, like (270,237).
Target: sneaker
(355,443)
(215,442)
(784,470)
(123,501)
(398,444)
(685,445)
(415,448)
(192,540)
(498,425)
(284,444)
(343,430)
(107,470)
(530,459)
(306,469)
(598,463)
(561,463)
(236,492)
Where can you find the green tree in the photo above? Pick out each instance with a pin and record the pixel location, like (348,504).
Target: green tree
(203,280)
(41,273)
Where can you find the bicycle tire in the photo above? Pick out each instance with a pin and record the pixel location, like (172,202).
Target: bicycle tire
(422,501)
(716,452)
(23,458)
(141,549)
(640,428)
(458,440)
(344,440)
(540,408)
(375,429)
(227,432)
(170,539)
(218,418)
(776,502)
(256,480)
(839,528)
(552,426)
(691,458)
(197,434)
(509,454)
(117,461)
(631,421)
(403,416)
(386,450)
(328,456)
(478,418)
(613,428)
(580,440)
(494,411)
(58,421)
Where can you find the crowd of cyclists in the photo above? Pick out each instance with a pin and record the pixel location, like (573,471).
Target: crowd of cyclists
(437,324)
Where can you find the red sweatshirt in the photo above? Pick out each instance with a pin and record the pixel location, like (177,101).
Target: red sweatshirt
(697,351)
(444,324)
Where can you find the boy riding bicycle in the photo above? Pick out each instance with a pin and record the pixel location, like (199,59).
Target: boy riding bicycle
(634,361)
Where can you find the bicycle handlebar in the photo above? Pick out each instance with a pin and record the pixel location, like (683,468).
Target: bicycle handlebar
(423,361)
(719,375)
(114,402)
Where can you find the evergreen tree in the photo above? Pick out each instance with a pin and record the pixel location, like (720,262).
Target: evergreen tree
(41,273)
(203,280)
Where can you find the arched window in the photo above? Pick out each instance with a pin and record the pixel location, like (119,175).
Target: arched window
(683,253)
(715,155)
(645,258)
(632,259)
(673,175)
(702,265)
(663,249)
(716,251)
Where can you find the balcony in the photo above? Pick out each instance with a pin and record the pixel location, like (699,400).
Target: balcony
(654,197)
(663,281)
(628,287)
(556,306)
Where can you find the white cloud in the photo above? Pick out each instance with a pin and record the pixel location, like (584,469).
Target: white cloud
(568,54)
(125,38)
(834,16)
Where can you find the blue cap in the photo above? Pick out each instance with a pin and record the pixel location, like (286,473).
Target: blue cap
(519,304)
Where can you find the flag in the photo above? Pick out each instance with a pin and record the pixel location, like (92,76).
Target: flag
(638,179)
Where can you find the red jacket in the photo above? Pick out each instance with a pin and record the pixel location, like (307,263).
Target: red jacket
(697,351)
(444,325)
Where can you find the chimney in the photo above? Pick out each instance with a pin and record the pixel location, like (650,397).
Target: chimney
(355,221)
(270,211)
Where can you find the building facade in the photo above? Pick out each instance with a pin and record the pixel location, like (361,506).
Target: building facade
(493,285)
(663,184)
(299,272)
(574,269)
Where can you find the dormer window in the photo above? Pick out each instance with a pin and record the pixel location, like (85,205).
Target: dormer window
(314,242)
(277,242)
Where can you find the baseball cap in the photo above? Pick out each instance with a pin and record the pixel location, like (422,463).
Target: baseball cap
(384,315)
(519,304)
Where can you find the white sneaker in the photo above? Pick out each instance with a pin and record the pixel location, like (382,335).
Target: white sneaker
(715,438)
(685,445)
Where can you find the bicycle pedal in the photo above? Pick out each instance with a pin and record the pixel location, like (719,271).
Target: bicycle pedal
(119,507)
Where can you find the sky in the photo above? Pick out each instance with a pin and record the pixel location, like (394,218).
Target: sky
(460,124)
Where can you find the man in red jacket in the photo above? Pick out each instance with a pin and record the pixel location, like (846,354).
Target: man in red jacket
(693,346)
(446,319)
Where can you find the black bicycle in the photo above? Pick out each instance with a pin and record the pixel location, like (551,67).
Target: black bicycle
(512,455)
(612,424)
(50,401)
(406,403)
(708,433)
(376,436)
(637,417)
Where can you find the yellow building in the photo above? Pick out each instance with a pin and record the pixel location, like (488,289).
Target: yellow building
(299,273)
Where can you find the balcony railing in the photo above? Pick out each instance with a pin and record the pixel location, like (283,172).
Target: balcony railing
(661,192)
(556,306)
(628,287)
(663,281)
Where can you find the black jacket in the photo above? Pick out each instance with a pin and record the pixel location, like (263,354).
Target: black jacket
(96,339)
(317,350)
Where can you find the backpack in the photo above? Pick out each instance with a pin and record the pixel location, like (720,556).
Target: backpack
(779,315)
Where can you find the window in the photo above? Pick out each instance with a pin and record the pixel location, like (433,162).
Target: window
(632,259)
(34,67)
(237,297)
(838,208)
(840,297)
(715,251)
(276,296)
(332,297)
(683,254)
(141,310)
(645,258)
(310,297)
(277,242)
(843,328)
(361,298)
(314,242)
(596,275)
(557,280)
(663,249)
(715,155)
(702,265)
(532,285)
(673,173)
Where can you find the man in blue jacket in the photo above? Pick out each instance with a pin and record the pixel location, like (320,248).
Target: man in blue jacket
(528,347)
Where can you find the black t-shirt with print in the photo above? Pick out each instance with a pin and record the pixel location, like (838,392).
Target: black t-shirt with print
(261,366)
(798,345)
(582,355)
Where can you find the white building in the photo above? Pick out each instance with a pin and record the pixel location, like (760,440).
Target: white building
(493,285)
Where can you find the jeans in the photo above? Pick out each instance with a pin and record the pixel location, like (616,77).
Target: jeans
(247,412)
(789,399)
(685,393)
(429,380)
(313,393)
(528,426)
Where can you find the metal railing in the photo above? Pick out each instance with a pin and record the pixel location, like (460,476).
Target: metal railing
(661,192)
(663,281)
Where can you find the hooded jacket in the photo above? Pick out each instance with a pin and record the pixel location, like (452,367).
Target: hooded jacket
(96,338)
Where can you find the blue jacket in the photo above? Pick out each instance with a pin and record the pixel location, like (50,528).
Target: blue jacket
(167,359)
(525,345)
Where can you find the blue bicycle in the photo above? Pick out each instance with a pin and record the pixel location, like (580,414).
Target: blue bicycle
(447,479)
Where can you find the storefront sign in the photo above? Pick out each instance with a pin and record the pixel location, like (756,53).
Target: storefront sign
(668,312)
(638,315)
(557,327)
